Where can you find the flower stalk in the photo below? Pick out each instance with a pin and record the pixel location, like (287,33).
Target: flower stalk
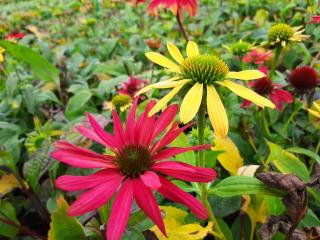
(277,53)
(182,30)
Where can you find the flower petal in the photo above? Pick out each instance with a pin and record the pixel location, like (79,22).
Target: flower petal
(151,179)
(192,49)
(175,194)
(162,61)
(248,94)
(95,198)
(185,171)
(120,211)
(88,133)
(163,101)
(147,202)
(191,103)
(217,113)
(246,75)
(130,126)
(118,128)
(77,183)
(175,52)
(172,151)
(160,84)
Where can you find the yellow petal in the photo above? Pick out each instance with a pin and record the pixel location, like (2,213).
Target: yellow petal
(1,57)
(248,94)
(316,105)
(192,49)
(217,113)
(175,52)
(163,101)
(230,159)
(246,75)
(314,113)
(162,61)
(191,103)
(151,86)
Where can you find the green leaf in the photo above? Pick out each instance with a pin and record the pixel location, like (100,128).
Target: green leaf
(38,164)
(306,152)
(240,185)
(78,101)
(184,186)
(310,219)
(64,227)
(7,211)
(286,162)
(225,229)
(187,157)
(139,221)
(40,67)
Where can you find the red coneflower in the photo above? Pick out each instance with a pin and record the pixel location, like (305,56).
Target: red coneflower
(15,36)
(315,20)
(139,164)
(304,78)
(264,86)
(132,86)
(191,6)
(256,57)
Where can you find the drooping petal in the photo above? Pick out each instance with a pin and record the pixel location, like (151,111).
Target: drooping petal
(172,151)
(163,101)
(168,82)
(185,171)
(102,134)
(175,194)
(165,118)
(120,211)
(192,49)
(175,52)
(162,61)
(147,202)
(191,103)
(151,179)
(246,75)
(95,197)
(77,183)
(217,113)
(248,94)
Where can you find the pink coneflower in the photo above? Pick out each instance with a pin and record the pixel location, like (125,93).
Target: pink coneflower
(304,78)
(139,164)
(264,86)
(315,20)
(132,86)
(15,36)
(191,6)
(256,57)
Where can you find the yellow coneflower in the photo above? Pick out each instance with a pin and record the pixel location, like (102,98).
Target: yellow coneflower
(282,34)
(120,102)
(2,50)
(201,74)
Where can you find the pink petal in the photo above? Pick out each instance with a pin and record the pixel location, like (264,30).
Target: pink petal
(129,133)
(264,70)
(102,134)
(120,211)
(276,100)
(95,198)
(151,179)
(118,129)
(172,151)
(175,194)
(88,133)
(284,95)
(147,202)
(165,118)
(185,171)
(77,183)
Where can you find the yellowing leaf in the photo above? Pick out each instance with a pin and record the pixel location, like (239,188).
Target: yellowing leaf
(64,227)
(8,182)
(230,159)
(176,227)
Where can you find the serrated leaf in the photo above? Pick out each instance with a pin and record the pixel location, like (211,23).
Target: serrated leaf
(40,67)
(38,164)
(64,227)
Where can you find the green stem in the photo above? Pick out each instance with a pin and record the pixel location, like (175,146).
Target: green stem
(277,52)
(201,163)
(265,122)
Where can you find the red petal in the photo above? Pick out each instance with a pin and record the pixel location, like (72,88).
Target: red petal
(118,129)
(151,179)
(129,133)
(173,193)
(147,202)
(120,211)
(172,151)
(88,133)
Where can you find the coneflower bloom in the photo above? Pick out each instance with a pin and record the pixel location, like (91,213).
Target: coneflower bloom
(256,57)
(315,20)
(132,86)
(139,164)
(200,74)
(281,34)
(264,86)
(304,78)
(191,6)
